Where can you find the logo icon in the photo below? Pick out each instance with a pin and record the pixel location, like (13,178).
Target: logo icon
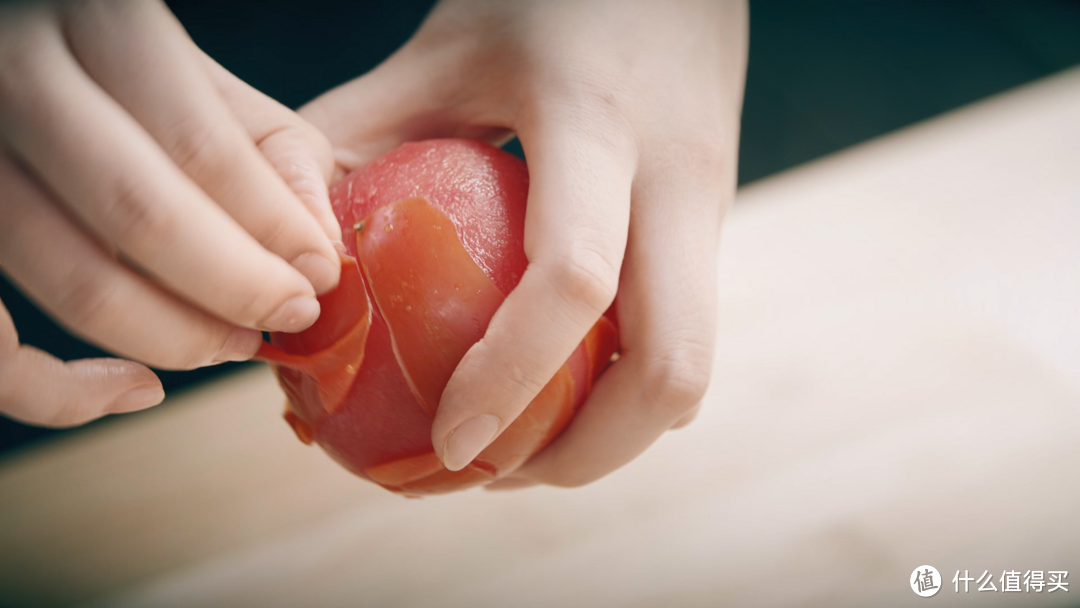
(925,581)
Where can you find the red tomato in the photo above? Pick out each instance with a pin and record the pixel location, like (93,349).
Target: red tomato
(438,231)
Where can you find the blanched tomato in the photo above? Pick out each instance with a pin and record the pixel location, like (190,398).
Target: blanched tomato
(435,232)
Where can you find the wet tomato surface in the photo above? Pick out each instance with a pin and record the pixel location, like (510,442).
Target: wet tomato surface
(434,234)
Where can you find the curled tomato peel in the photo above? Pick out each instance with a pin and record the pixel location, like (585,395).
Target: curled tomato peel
(303,431)
(333,347)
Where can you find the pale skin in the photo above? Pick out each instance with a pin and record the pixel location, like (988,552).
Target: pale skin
(628,113)
(151,202)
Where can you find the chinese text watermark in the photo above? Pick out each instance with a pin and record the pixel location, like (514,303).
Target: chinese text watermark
(925,581)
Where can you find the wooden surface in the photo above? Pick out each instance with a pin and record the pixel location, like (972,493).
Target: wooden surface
(897,384)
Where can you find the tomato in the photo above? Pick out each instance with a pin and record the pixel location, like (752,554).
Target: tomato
(434,242)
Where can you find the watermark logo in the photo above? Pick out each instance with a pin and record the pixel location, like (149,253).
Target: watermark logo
(925,581)
(1012,581)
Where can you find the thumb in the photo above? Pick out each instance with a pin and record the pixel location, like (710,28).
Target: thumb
(37,388)
(409,97)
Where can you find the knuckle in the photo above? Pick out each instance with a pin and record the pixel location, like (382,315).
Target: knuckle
(590,103)
(701,156)
(321,148)
(131,217)
(512,380)
(299,152)
(199,147)
(588,85)
(191,352)
(677,378)
(585,276)
(523,382)
(86,304)
(317,143)
(706,152)
(253,304)
(186,357)
(251,309)
(286,231)
(196,348)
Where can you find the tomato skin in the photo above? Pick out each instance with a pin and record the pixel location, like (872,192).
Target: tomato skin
(438,244)
(436,306)
(480,188)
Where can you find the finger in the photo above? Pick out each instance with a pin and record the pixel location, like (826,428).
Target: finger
(409,97)
(575,236)
(89,292)
(299,153)
(667,313)
(123,187)
(37,388)
(168,91)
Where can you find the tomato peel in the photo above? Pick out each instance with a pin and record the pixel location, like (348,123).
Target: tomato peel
(545,417)
(303,432)
(333,365)
(600,343)
(436,310)
(405,470)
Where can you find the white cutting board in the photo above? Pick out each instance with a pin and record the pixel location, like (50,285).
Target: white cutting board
(897,384)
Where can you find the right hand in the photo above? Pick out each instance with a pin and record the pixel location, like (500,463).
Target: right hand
(628,114)
(151,202)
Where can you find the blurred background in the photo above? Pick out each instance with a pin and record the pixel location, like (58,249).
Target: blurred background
(823,75)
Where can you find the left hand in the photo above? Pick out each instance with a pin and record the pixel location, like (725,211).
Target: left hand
(629,117)
(150,202)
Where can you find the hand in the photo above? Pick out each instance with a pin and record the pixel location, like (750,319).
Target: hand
(629,116)
(150,201)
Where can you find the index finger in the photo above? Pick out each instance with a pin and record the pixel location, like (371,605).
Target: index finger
(575,237)
(115,178)
(667,309)
(174,93)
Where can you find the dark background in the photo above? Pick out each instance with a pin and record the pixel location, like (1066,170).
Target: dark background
(823,75)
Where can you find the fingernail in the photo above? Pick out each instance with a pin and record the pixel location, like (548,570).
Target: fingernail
(339,247)
(294,315)
(137,399)
(320,272)
(469,439)
(240,346)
